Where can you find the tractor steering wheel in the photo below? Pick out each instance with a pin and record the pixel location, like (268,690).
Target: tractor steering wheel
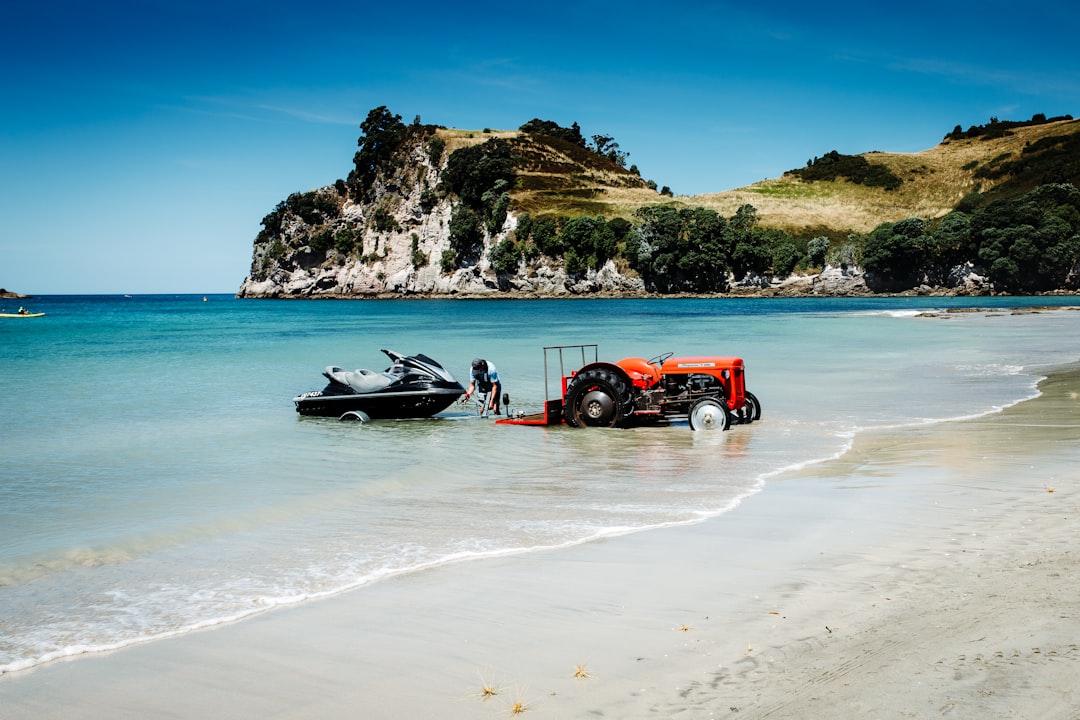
(659,359)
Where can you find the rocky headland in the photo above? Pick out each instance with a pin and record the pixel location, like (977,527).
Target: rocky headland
(412,222)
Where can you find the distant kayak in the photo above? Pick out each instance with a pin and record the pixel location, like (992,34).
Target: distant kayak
(21,315)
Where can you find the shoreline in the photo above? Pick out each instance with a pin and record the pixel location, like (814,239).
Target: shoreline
(755,293)
(926,571)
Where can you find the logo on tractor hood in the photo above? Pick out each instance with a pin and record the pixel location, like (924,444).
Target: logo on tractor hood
(696,364)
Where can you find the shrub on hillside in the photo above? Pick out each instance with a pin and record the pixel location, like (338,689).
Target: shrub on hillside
(895,253)
(505,257)
(817,250)
(545,235)
(474,170)
(998,128)
(589,241)
(547,127)
(854,168)
(466,233)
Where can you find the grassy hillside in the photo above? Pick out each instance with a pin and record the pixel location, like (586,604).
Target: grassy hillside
(556,177)
(559,178)
(934,182)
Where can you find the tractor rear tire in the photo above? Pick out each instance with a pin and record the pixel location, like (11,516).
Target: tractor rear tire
(709,414)
(597,398)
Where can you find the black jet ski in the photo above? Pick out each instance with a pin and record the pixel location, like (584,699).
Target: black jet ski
(414,386)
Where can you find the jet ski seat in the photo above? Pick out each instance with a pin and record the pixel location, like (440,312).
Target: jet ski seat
(360,380)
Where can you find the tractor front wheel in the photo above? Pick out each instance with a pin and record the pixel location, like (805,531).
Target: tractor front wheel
(596,398)
(709,414)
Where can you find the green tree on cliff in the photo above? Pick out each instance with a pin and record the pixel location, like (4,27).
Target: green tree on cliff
(382,136)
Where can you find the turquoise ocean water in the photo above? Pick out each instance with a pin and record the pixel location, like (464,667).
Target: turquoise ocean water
(155,478)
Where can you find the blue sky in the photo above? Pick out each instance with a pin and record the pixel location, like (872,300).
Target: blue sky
(142,141)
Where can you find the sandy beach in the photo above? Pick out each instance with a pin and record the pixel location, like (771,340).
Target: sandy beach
(929,572)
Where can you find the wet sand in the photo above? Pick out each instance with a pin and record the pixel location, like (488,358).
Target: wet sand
(931,571)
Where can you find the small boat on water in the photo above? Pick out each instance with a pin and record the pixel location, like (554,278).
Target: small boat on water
(21,314)
(414,386)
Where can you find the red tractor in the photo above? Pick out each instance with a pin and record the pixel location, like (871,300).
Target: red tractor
(709,392)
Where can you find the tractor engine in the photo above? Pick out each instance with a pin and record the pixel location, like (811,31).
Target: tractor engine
(680,391)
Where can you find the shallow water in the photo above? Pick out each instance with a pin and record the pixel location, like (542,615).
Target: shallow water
(156,479)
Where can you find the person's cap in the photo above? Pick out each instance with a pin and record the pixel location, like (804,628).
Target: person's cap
(478,364)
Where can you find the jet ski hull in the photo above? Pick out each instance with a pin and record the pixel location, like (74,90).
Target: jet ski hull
(379,406)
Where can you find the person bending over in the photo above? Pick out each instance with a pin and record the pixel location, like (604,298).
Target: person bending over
(484,379)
